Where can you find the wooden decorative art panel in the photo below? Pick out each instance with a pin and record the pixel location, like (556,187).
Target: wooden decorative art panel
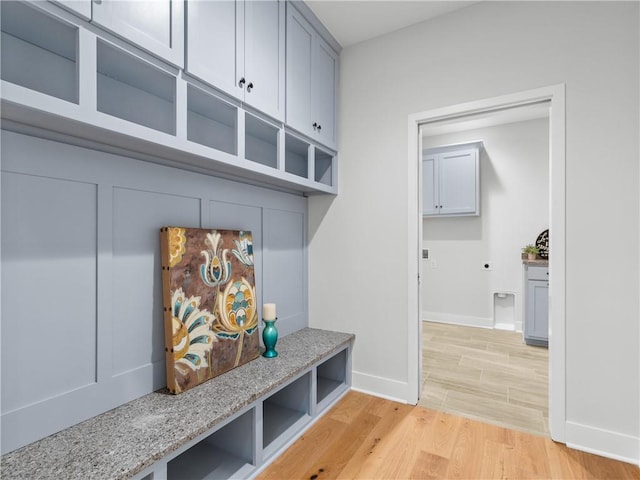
(210,316)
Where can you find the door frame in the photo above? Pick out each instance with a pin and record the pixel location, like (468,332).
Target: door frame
(555,94)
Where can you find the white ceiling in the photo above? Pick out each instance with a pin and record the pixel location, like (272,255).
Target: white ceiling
(353,21)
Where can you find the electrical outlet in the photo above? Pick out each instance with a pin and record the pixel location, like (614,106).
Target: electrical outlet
(487,266)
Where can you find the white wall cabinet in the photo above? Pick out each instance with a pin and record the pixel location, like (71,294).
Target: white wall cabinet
(451,181)
(536,320)
(153,25)
(239,48)
(311,81)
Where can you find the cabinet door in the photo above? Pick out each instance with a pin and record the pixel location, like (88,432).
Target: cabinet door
(299,52)
(430,185)
(458,182)
(264,37)
(537,315)
(323,92)
(215,44)
(153,25)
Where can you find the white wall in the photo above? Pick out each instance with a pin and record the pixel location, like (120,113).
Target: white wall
(514,209)
(486,50)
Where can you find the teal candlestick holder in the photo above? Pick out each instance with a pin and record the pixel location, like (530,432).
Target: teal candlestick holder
(270,337)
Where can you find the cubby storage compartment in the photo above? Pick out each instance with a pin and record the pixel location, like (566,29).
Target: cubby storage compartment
(296,157)
(211,121)
(261,141)
(285,412)
(227,453)
(132,89)
(331,376)
(323,168)
(39,52)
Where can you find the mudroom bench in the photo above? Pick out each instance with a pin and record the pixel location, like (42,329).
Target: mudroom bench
(229,427)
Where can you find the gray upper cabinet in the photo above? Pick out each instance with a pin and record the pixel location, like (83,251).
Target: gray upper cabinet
(155,26)
(451,181)
(311,81)
(238,47)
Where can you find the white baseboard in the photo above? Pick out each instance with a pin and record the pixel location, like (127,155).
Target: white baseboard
(456,319)
(605,443)
(380,387)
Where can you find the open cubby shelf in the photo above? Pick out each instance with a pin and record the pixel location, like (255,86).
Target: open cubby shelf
(236,423)
(110,89)
(39,52)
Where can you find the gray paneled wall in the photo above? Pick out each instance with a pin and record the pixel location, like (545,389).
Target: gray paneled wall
(82,324)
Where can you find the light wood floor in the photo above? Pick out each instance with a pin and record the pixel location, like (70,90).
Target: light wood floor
(486,375)
(364,437)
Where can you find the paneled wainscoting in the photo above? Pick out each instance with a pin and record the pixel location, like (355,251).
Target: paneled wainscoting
(487,375)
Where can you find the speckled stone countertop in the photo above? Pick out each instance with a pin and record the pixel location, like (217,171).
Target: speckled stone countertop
(124,441)
(538,262)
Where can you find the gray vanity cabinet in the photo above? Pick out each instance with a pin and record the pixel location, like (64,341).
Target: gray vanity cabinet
(536,322)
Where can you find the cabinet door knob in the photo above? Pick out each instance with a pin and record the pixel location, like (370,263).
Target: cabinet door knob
(250,86)
(315,126)
(241,82)
(319,127)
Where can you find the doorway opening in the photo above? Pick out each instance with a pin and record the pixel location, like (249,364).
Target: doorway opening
(475,362)
(554,97)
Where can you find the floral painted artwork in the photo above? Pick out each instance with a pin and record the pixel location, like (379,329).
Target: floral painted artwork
(210,316)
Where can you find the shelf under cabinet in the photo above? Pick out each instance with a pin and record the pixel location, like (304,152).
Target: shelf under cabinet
(285,412)
(261,141)
(39,52)
(226,453)
(323,167)
(133,90)
(296,160)
(211,122)
(331,376)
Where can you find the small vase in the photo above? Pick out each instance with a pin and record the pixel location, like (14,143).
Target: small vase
(531,256)
(270,337)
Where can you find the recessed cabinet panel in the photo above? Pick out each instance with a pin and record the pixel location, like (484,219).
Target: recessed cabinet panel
(39,51)
(296,159)
(153,25)
(210,121)
(133,90)
(311,81)
(261,141)
(451,181)
(536,322)
(238,47)
(215,43)
(299,52)
(264,56)
(324,92)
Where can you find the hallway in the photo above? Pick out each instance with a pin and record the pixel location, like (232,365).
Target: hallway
(487,375)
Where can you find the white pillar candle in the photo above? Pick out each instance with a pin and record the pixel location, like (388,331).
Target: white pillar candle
(269,311)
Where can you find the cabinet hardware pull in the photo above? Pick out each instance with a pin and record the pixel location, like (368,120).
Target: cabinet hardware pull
(241,82)
(319,127)
(249,87)
(315,126)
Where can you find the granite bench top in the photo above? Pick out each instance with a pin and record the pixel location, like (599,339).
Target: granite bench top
(124,441)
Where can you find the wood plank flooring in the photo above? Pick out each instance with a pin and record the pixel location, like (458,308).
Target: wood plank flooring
(486,375)
(364,437)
